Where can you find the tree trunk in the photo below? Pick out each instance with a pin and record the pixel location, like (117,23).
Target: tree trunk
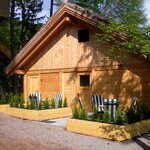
(51,8)
(12,43)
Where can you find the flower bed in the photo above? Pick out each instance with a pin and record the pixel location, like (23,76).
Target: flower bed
(108,131)
(36,114)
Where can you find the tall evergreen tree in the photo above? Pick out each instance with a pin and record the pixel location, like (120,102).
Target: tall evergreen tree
(12,17)
(128,12)
(29,10)
(12,43)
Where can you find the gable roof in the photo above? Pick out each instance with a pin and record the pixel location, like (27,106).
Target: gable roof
(67,13)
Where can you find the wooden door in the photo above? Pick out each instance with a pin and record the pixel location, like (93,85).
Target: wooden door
(33,84)
(84,89)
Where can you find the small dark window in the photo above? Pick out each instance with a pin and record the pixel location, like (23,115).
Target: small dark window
(83,35)
(84,80)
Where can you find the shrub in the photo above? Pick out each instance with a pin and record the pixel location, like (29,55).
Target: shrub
(143,111)
(83,114)
(46,104)
(75,113)
(53,103)
(65,104)
(16,101)
(118,118)
(11,103)
(2,99)
(28,105)
(60,104)
(11,100)
(21,101)
(40,105)
(32,105)
(95,114)
(131,116)
(106,117)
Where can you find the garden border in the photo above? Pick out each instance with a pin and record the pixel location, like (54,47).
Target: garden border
(36,114)
(108,131)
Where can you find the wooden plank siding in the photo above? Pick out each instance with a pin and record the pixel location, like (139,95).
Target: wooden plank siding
(49,85)
(65,52)
(69,89)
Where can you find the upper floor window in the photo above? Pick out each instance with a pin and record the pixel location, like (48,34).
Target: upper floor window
(83,35)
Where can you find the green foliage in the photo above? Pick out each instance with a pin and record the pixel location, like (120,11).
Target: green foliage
(60,104)
(143,111)
(32,104)
(83,114)
(46,104)
(118,118)
(28,105)
(40,105)
(5,82)
(95,114)
(125,12)
(11,99)
(75,113)
(2,99)
(131,116)
(16,101)
(5,32)
(53,103)
(29,23)
(106,117)
(128,12)
(65,104)
(134,39)
(21,101)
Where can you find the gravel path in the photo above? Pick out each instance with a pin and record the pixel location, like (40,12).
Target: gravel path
(18,134)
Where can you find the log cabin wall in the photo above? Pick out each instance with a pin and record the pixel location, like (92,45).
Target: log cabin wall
(64,51)
(62,59)
(49,84)
(123,84)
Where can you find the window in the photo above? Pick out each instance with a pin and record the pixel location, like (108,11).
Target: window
(84,80)
(83,35)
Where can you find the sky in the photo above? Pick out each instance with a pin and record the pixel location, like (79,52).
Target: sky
(46,9)
(147,8)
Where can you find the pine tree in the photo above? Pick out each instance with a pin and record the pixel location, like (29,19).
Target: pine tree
(29,20)
(129,12)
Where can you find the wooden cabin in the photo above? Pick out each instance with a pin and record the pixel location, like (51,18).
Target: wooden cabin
(64,56)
